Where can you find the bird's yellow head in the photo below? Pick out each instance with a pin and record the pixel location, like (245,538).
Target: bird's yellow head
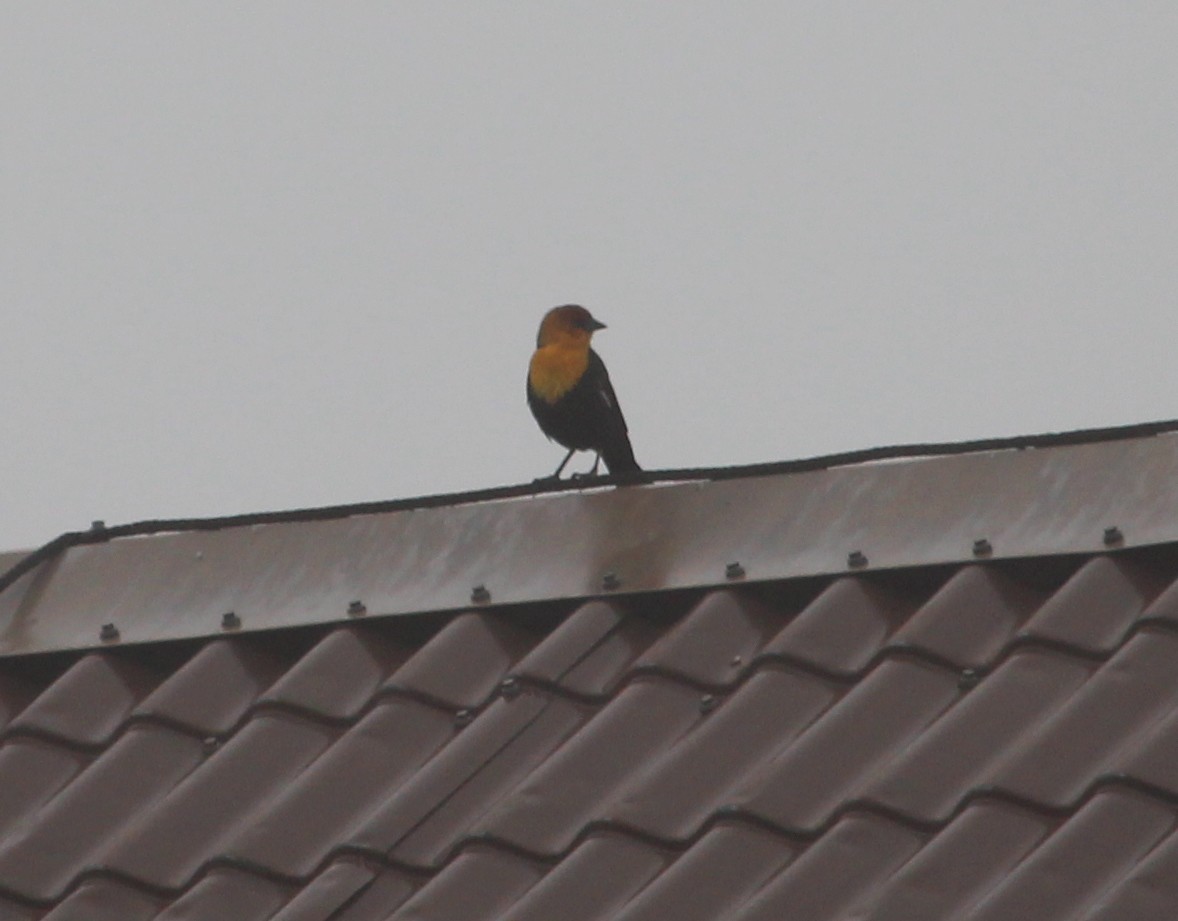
(571,325)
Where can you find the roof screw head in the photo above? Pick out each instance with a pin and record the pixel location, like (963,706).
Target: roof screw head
(737,661)
(856,559)
(480,594)
(982,547)
(707,703)
(97,525)
(1113,536)
(230,621)
(610,582)
(734,571)
(509,688)
(210,744)
(356,609)
(109,633)
(463,718)
(968,679)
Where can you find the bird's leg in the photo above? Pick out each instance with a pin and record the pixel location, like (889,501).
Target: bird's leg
(556,476)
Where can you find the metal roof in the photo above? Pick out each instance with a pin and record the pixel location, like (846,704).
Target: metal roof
(1002,504)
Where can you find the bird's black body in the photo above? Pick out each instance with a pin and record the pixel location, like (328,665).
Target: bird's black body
(588,418)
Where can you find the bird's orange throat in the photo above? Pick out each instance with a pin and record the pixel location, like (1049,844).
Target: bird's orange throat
(556,368)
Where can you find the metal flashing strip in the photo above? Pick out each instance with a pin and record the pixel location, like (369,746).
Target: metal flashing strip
(1068,498)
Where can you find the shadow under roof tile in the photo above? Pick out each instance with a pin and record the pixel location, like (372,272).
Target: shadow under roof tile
(839,871)
(714,876)
(462,665)
(480,884)
(39,861)
(213,690)
(317,811)
(673,797)
(105,900)
(546,812)
(89,703)
(590,651)
(717,638)
(427,815)
(847,747)
(1069,873)
(1164,607)
(573,890)
(32,772)
(327,893)
(972,618)
(228,894)
(1100,727)
(843,629)
(166,845)
(960,751)
(1097,607)
(963,863)
(338,677)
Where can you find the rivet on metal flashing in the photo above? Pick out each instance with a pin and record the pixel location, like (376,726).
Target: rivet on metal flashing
(982,547)
(856,559)
(97,525)
(736,661)
(463,718)
(509,688)
(356,609)
(230,621)
(734,571)
(968,679)
(1113,536)
(480,594)
(707,703)
(109,633)
(210,744)
(610,582)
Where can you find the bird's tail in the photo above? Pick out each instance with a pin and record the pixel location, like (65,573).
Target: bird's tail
(619,457)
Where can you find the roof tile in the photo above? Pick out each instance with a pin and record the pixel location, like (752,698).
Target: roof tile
(340,675)
(88,704)
(972,617)
(225,894)
(40,860)
(215,688)
(105,900)
(711,644)
(328,892)
(1148,892)
(845,627)
(375,901)
(293,833)
(32,772)
(168,843)
(1097,606)
(477,885)
(589,651)
(842,752)
(463,664)
(1095,849)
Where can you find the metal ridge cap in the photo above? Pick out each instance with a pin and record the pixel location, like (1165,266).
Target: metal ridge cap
(912,451)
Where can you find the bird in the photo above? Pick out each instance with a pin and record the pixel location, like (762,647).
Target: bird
(570,394)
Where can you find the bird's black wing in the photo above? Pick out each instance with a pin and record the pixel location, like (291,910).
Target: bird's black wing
(613,438)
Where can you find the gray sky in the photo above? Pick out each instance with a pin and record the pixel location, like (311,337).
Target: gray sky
(286,254)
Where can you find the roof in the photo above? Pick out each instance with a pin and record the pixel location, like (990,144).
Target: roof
(988,736)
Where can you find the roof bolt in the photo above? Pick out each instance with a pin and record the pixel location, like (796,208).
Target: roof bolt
(97,525)
(463,718)
(610,582)
(230,621)
(210,744)
(968,679)
(356,609)
(734,571)
(982,547)
(856,559)
(109,633)
(1113,536)
(509,688)
(736,662)
(480,595)
(707,703)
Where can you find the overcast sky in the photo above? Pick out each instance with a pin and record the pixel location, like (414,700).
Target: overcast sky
(279,255)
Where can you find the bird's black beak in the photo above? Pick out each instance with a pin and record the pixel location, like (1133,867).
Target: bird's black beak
(595,325)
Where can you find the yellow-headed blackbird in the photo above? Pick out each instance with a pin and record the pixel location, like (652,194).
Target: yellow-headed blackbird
(570,394)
